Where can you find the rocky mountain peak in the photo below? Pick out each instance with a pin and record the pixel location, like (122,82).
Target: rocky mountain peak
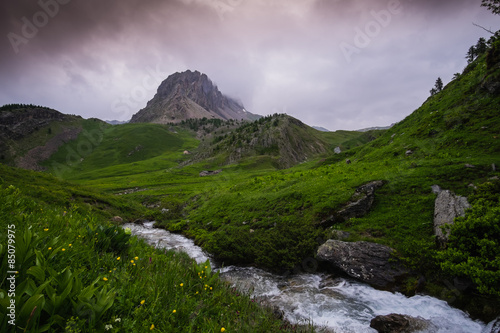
(190,94)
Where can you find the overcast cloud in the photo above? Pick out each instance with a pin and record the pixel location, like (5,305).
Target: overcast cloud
(340,64)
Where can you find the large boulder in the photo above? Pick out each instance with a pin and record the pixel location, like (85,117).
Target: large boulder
(368,262)
(397,323)
(358,206)
(446,207)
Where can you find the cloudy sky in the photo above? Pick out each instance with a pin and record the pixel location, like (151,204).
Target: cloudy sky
(340,64)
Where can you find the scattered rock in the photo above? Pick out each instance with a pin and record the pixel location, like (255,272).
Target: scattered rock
(339,234)
(132,190)
(446,207)
(209,173)
(369,262)
(493,167)
(117,219)
(165,210)
(392,136)
(397,323)
(337,150)
(494,178)
(358,206)
(187,152)
(470,166)
(348,161)
(252,231)
(473,186)
(436,189)
(136,149)
(409,152)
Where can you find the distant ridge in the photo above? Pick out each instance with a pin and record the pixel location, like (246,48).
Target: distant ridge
(189,95)
(375,128)
(116,122)
(321,129)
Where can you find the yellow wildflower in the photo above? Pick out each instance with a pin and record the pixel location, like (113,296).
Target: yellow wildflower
(182,284)
(136,258)
(174,311)
(63,249)
(131,261)
(223,329)
(105,278)
(152,327)
(143,301)
(50,248)
(46,229)
(118,258)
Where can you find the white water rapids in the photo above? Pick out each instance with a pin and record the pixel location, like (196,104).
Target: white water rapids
(339,304)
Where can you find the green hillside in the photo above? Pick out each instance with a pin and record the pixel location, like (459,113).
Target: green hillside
(279,179)
(77,272)
(121,150)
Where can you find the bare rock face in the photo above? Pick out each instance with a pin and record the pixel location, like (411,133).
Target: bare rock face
(365,261)
(359,205)
(17,124)
(446,207)
(396,323)
(206,173)
(190,95)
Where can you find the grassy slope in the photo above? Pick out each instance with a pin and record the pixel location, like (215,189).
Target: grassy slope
(120,150)
(40,137)
(252,213)
(455,127)
(78,273)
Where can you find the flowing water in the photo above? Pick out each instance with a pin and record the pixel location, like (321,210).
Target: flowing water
(340,304)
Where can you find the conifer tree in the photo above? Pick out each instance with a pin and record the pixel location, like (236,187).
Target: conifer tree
(493,5)
(439,84)
(471,54)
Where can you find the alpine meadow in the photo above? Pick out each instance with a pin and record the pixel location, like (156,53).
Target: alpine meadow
(268,192)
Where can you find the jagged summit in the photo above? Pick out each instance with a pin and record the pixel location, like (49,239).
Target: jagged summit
(190,95)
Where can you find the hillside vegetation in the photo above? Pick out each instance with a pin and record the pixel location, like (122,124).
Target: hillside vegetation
(76,272)
(278,180)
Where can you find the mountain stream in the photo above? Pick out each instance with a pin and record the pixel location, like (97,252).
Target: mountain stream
(338,304)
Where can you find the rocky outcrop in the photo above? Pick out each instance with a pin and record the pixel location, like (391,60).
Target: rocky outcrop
(287,140)
(190,95)
(206,173)
(397,323)
(368,262)
(39,154)
(19,123)
(447,207)
(358,206)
